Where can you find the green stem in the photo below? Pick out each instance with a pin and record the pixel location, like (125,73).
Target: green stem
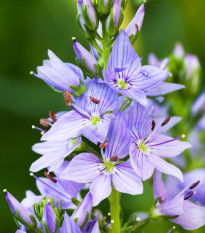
(115,210)
(89,149)
(105,43)
(140,224)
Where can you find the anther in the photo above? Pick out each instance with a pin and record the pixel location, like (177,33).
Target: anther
(153,125)
(103,145)
(4,190)
(94,100)
(161,201)
(45,122)
(31,174)
(50,177)
(31,72)
(166,121)
(194,185)
(113,158)
(68,98)
(137,27)
(112,221)
(189,195)
(109,214)
(52,116)
(73,38)
(138,219)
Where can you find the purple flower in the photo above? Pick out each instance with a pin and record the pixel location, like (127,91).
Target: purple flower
(49,218)
(88,60)
(53,153)
(88,118)
(190,216)
(125,73)
(149,145)
(135,25)
(62,190)
(87,167)
(59,75)
(22,213)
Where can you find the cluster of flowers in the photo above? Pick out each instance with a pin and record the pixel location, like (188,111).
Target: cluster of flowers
(111,138)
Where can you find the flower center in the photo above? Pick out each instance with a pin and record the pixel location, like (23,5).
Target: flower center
(122,84)
(108,167)
(143,147)
(95,119)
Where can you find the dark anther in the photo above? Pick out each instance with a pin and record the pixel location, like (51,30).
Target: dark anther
(189,194)
(94,100)
(68,98)
(137,27)
(52,116)
(194,185)
(161,201)
(166,121)
(114,158)
(50,177)
(103,145)
(153,125)
(45,122)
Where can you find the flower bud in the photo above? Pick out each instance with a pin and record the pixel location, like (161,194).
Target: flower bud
(49,218)
(22,214)
(115,18)
(191,65)
(85,58)
(80,18)
(135,25)
(178,51)
(90,15)
(104,6)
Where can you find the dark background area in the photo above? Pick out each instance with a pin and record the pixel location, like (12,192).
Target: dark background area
(28,29)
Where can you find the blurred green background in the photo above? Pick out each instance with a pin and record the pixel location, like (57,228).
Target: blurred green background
(28,29)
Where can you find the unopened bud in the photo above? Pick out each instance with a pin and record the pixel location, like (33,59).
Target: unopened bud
(115,18)
(49,218)
(90,15)
(85,58)
(68,98)
(135,25)
(80,17)
(104,6)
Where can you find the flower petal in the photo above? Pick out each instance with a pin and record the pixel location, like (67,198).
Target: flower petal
(158,186)
(69,225)
(67,126)
(82,169)
(125,179)
(140,163)
(101,188)
(165,167)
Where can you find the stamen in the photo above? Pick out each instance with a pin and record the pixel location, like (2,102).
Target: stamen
(112,221)
(94,100)
(174,139)
(153,125)
(114,158)
(189,195)
(52,116)
(103,169)
(45,122)
(42,130)
(194,185)
(166,121)
(50,177)
(103,145)
(173,228)
(137,27)
(68,98)
(161,200)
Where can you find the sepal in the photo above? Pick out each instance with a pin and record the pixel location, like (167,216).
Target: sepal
(78,90)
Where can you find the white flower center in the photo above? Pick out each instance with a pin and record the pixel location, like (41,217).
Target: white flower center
(144,148)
